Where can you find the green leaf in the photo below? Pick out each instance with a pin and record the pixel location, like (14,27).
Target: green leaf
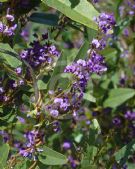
(4,151)
(89,97)
(59,68)
(65,80)
(3,0)
(116,6)
(23,164)
(80,11)
(90,34)
(110,55)
(41,85)
(118,96)
(123,154)
(78,138)
(90,166)
(95,130)
(44,18)
(83,51)
(9,55)
(91,152)
(63,61)
(96,125)
(109,52)
(130,165)
(89,156)
(51,157)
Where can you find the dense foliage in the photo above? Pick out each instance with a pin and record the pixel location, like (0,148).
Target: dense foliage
(67,84)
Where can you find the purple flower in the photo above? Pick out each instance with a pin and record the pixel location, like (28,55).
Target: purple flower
(1,90)
(18,70)
(66,145)
(124,54)
(21,82)
(72,162)
(51,92)
(22,120)
(45,36)
(23,54)
(10,31)
(25,34)
(56,126)
(24,152)
(116,121)
(13,28)
(2,27)
(130,115)
(131,12)
(54,113)
(5,136)
(10,17)
(88,122)
(114,166)
(95,43)
(5,98)
(126,32)
(95,1)
(58,100)
(15,84)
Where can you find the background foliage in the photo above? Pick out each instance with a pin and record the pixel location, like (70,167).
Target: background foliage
(102,135)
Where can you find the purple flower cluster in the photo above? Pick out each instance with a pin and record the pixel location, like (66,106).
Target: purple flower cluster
(81,71)
(8,27)
(6,89)
(105,22)
(4,135)
(40,54)
(131,5)
(130,115)
(33,138)
(60,104)
(72,162)
(127,8)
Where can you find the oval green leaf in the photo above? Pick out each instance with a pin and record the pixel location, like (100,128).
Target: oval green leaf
(80,11)
(51,157)
(118,96)
(44,18)
(4,151)
(9,56)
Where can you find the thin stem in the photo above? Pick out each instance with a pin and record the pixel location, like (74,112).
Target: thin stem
(35,86)
(75,27)
(33,165)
